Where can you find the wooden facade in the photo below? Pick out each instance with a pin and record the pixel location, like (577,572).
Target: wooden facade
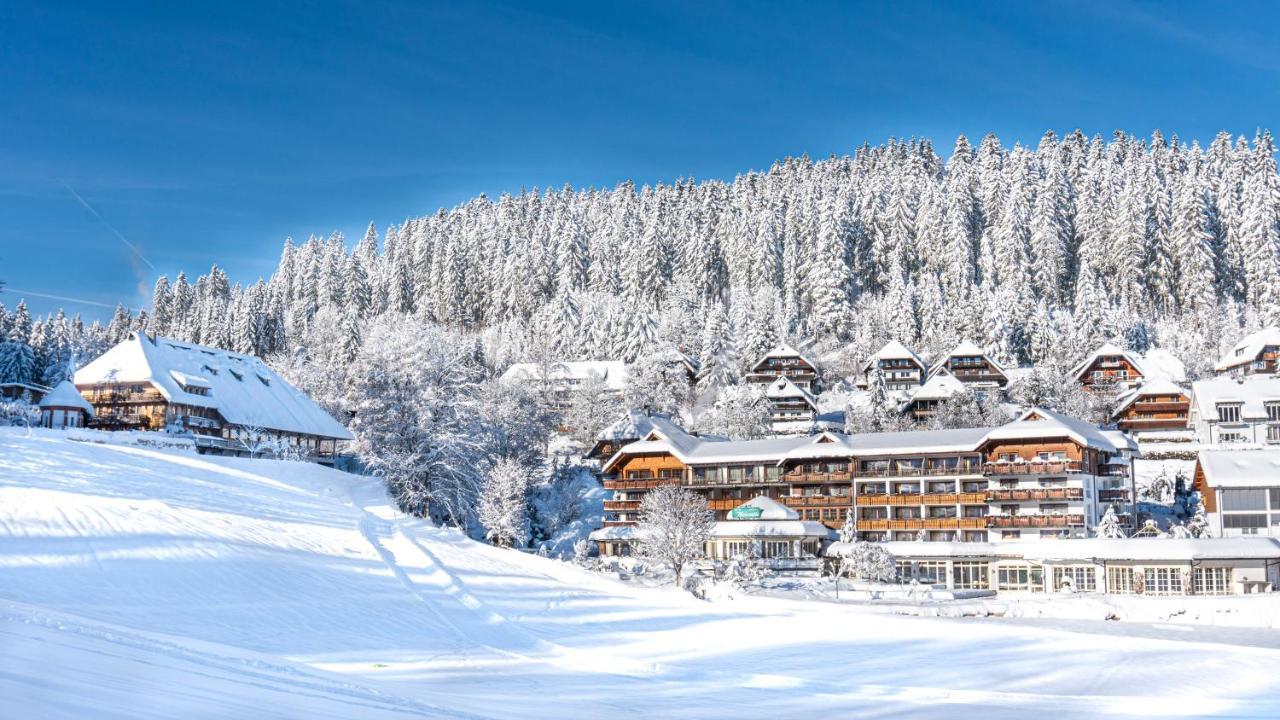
(1154,411)
(1110,370)
(976,370)
(785,362)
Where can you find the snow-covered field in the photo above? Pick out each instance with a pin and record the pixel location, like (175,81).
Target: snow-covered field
(139,583)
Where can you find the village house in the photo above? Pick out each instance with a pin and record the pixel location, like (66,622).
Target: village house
(923,403)
(793,407)
(226,402)
(558,382)
(27,392)
(785,361)
(1127,566)
(1238,409)
(1255,354)
(64,407)
(973,367)
(1109,366)
(1240,490)
(1041,476)
(1153,406)
(899,368)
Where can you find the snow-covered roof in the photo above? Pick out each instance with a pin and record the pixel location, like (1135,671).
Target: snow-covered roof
(966,349)
(1122,440)
(770,509)
(1106,350)
(939,387)
(784,389)
(1160,364)
(1039,422)
(65,395)
(783,350)
(1087,549)
(770,528)
(1251,391)
(242,388)
(1240,468)
(1150,387)
(1249,348)
(893,350)
(612,372)
(635,424)
(616,532)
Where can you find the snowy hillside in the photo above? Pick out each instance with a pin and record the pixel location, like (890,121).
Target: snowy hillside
(136,583)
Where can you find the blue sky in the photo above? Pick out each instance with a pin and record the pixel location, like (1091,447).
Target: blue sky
(208,133)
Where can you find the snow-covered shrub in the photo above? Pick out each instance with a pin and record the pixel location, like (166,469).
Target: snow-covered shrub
(868,561)
(674,526)
(503,506)
(1109,526)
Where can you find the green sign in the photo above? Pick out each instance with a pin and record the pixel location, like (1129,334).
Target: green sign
(745,512)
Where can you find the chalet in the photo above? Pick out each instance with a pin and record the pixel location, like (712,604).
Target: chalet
(972,367)
(785,361)
(559,381)
(1240,490)
(1110,366)
(764,528)
(29,392)
(794,408)
(633,426)
(1129,566)
(1153,406)
(1240,409)
(1255,354)
(1043,475)
(923,403)
(64,407)
(899,368)
(223,399)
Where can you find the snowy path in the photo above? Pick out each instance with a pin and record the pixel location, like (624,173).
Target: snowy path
(141,584)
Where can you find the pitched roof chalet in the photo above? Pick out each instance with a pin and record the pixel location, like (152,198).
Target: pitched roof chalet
(1249,348)
(1106,350)
(1252,392)
(893,350)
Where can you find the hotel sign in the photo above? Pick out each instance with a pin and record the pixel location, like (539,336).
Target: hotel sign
(745,512)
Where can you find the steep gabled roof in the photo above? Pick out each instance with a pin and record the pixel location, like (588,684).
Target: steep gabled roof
(783,350)
(893,350)
(939,387)
(65,395)
(1249,348)
(784,389)
(1106,350)
(1040,422)
(242,388)
(1150,387)
(966,349)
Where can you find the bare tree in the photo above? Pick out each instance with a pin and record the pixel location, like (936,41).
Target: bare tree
(674,526)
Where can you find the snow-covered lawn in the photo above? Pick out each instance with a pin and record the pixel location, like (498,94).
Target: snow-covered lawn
(136,583)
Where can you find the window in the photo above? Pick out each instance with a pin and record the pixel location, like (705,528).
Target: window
(931,572)
(1162,581)
(263,379)
(1211,581)
(970,575)
(1120,580)
(1229,412)
(777,549)
(1010,534)
(1273,411)
(1230,437)
(1244,499)
(1024,578)
(1275,498)
(772,473)
(237,375)
(1273,433)
(1246,523)
(1080,578)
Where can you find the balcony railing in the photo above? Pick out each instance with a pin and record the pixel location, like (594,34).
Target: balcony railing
(964,498)
(1034,521)
(639,484)
(1002,495)
(1113,495)
(917,471)
(724,503)
(621,505)
(956,523)
(802,478)
(619,523)
(817,501)
(1032,467)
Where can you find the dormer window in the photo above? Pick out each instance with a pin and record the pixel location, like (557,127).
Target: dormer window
(237,375)
(211,370)
(263,379)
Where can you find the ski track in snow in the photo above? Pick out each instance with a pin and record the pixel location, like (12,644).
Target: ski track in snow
(142,584)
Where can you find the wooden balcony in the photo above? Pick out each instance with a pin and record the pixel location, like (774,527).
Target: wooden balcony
(964,498)
(1032,467)
(639,484)
(621,505)
(619,523)
(723,503)
(956,523)
(818,478)
(817,501)
(1034,521)
(1162,406)
(1115,495)
(1021,495)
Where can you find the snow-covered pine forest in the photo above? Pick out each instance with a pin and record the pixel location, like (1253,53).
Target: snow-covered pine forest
(1030,252)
